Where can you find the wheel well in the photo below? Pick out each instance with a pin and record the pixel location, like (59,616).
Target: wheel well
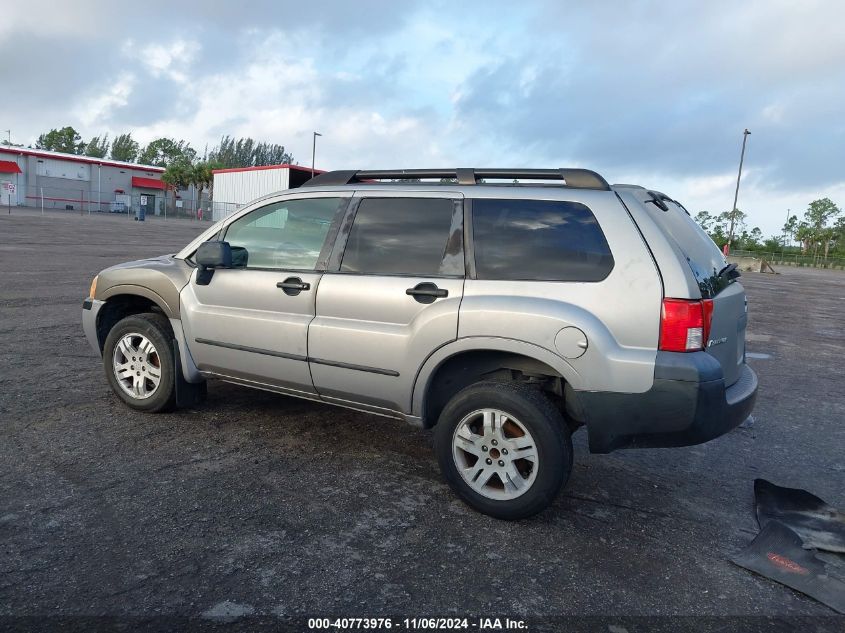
(466,368)
(120,307)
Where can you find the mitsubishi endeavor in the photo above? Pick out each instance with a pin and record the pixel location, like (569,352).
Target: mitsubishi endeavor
(505,308)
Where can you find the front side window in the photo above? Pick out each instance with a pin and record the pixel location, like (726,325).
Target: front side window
(543,240)
(283,235)
(406,236)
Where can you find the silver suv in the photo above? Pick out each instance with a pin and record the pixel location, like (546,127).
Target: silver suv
(503,315)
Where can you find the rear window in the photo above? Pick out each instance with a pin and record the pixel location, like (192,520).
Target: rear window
(543,240)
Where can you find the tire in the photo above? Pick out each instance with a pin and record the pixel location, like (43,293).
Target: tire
(134,381)
(463,445)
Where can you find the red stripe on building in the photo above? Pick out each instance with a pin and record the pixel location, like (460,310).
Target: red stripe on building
(88,160)
(148,183)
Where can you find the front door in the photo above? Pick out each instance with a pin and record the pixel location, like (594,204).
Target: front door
(250,323)
(390,298)
(148,204)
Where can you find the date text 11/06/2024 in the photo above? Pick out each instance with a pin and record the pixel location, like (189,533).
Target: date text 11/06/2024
(482,624)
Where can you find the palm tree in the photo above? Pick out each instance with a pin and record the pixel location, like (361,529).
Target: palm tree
(202,178)
(176,176)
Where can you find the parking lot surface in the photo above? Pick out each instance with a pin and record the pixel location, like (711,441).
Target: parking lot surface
(255,503)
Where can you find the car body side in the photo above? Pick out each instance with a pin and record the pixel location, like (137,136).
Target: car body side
(610,381)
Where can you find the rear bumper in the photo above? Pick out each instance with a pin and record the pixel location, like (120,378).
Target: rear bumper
(687,405)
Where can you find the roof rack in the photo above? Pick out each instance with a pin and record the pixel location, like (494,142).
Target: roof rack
(572,178)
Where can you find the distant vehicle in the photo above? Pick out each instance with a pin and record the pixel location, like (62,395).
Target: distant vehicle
(503,315)
(117,207)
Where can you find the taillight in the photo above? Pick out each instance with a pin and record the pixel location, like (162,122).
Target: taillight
(685,324)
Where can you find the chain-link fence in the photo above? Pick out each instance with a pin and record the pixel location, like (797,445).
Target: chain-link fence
(794,258)
(151,205)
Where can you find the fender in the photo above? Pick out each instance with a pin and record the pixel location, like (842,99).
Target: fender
(159,279)
(170,311)
(486,343)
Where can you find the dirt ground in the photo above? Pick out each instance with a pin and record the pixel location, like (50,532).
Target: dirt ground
(258,504)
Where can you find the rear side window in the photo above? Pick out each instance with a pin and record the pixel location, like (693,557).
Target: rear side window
(543,240)
(703,256)
(406,236)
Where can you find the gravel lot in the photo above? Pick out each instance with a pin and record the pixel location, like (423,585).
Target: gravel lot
(260,504)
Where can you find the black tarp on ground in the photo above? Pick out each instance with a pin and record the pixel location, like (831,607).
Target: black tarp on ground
(819,525)
(793,524)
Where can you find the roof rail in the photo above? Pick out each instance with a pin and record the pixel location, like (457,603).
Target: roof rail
(572,178)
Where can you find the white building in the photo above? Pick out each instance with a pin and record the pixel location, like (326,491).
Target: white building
(236,187)
(71,182)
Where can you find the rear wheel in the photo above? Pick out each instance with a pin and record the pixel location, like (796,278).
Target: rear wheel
(503,448)
(139,364)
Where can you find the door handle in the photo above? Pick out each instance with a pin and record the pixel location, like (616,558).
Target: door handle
(427,292)
(292,286)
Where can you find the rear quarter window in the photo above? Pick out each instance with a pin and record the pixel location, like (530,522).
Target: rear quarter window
(541,240)
(704,258)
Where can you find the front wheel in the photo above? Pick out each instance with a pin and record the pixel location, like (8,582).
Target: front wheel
(503,448)
(139,364)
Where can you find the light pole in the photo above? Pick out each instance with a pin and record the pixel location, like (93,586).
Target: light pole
(736,193)
(314,151)
(9,132)
(785,234)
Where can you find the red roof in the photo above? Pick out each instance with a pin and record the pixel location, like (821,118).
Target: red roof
(79,159)
(285,166)
(9,167)
(147,183)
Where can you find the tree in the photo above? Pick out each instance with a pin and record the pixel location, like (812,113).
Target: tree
(705,220)
(752,240)
(839,232)
(804,234)
(738,222)
(125,148)
(820,212)
(245,152)
(163,152)
(828,237)
(65,140)
(201,177)
(817,216)
(772,244)
(98,146)
(177,175)
(789,229)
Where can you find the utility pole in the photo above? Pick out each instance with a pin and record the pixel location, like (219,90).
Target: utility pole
(736,193)
(314,151)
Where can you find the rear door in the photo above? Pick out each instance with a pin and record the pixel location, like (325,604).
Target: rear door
(726,341)
(390,298)
(251,323)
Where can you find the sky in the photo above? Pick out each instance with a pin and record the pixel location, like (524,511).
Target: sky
(651,93)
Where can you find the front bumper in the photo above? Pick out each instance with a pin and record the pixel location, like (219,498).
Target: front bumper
(688,404)
(90,309)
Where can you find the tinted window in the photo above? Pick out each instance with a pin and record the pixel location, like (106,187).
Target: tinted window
(286,234)
(538,239)
(703,256)
(412,236)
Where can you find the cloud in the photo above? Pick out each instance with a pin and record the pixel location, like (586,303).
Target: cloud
(172,60)
(649,92)
(100,106)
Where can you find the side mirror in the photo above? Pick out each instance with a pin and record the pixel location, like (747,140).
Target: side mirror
(211,255)
(214,255)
